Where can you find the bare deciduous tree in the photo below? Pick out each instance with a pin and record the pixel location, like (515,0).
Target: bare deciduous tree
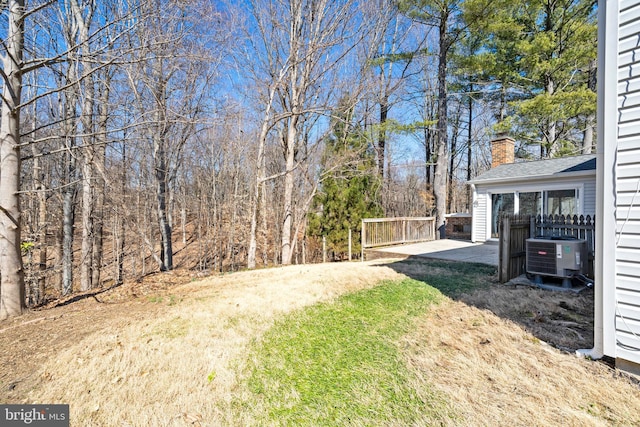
(12,290)
(300,45)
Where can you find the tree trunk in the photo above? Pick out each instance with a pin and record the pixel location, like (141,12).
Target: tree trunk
(41,225)
(297,81)
(232,226)
(183,219)
(427,156)
(550,134)
(118,224)
(38,291)
(440,174)
(161,165)
(469,149)
(451,206)
(70,189)
(68,219)
(88,138)
(382,136)
(589,128)
(264,226)
(251,256)
(42,237)
(587,139)
(12,290)
(88,207)
(287,221)
(161,199)
(99,184)
(502,111)
(257,193)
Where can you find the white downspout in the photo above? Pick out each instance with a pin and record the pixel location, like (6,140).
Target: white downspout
(597,352)
(605,180)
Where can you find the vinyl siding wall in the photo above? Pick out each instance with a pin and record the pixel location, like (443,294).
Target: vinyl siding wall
(589,197)
(627,185)
(480,216)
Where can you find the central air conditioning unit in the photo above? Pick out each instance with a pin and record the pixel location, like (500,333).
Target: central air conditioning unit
(560,257)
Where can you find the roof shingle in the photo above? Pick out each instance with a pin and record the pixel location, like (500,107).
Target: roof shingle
(538,169)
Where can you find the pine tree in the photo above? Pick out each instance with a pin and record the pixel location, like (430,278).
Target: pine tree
(349,184)
(540,55)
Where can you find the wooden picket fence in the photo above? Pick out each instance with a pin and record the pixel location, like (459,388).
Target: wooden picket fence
(514,230)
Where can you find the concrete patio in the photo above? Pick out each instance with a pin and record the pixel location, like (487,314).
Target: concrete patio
(447,249)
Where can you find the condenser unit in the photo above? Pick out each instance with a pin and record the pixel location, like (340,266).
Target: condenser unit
(556,257)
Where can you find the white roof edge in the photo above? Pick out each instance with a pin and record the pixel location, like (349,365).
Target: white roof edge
(590,172)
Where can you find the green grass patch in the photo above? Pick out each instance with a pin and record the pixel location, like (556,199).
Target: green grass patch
(449,277)
(338,363)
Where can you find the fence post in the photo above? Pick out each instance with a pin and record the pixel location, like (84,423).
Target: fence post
(532,226)
(349,244)
(504,249)
(433,230)
(324,248)
(304,249)
(363,235)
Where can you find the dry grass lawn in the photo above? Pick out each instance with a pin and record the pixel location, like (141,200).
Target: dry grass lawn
(494,373)
(170,355)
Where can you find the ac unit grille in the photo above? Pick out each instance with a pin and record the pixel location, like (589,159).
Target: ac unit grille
(541,257)
(559,257)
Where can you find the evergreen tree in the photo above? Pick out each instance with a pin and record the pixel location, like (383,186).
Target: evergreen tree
(349,184)
(540,56)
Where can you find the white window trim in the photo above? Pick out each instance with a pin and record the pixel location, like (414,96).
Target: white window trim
(531,188)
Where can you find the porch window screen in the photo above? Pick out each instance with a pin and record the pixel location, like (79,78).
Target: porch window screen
(530,203)
(503,202)
(561,202)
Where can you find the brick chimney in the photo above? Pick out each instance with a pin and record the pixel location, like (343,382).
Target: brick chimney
(502,150)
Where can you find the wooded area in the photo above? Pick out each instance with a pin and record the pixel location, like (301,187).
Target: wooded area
(248,130)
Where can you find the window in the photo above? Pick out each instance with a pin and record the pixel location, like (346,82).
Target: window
(530,203)
(561,202)
(548,202)
(500,203)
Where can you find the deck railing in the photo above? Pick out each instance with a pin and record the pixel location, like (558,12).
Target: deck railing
(394,231)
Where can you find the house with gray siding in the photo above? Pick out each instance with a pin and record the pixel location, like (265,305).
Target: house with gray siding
(617,263)
(562,186)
